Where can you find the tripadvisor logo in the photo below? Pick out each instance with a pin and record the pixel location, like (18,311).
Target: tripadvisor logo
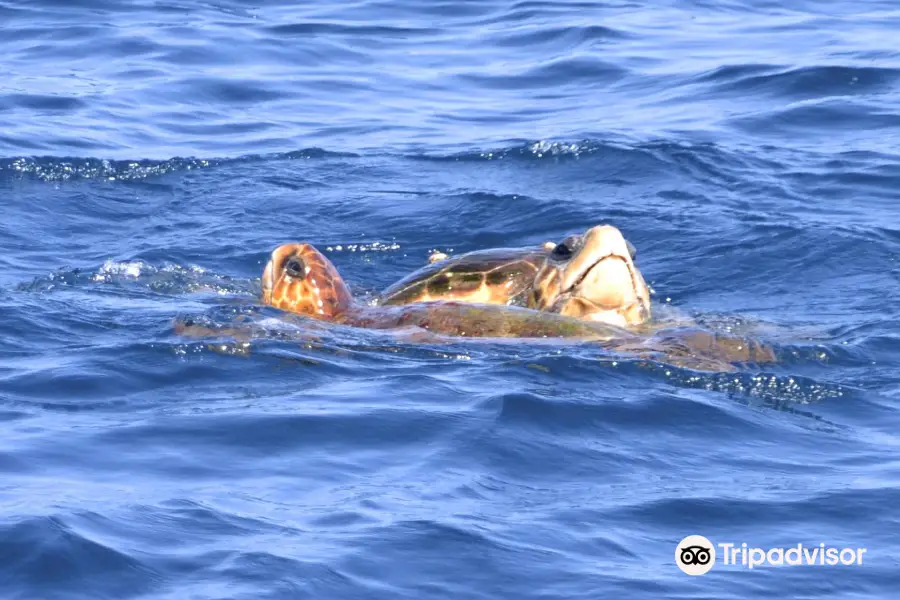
(696,555)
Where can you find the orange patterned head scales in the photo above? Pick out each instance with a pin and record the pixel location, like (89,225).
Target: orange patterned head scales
(300,279)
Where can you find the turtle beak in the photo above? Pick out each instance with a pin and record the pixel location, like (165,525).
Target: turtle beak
(269,275)
(601,243)
(603,274)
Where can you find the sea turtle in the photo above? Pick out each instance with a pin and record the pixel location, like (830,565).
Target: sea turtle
(300,279)
(591,276)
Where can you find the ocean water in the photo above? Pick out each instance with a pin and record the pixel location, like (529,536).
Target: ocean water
(153,153)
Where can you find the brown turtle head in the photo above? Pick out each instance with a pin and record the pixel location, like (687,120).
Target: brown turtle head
(593,276)
(300,279)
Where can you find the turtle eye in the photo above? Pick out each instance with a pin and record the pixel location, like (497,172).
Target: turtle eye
(562,251)
(566,248)
(295,267)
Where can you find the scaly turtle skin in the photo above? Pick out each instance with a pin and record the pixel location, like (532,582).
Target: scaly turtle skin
(299,279)
(591,276)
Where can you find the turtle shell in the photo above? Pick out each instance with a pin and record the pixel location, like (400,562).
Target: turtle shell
(494,276)
(459,319)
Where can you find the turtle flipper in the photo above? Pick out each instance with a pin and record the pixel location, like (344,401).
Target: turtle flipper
(188,328)
(241,331)
(728,348)
(697,350)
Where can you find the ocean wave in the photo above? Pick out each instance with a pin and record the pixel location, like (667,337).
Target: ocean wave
(52,169)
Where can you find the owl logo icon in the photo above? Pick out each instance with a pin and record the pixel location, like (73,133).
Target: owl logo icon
(695,555)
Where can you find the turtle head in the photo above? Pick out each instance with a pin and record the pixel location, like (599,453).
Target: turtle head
(300,279)
(592,276)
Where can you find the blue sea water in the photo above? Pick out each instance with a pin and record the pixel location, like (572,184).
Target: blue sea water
(153,153)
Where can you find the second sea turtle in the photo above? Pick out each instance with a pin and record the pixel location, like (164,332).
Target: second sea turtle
(591,276)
